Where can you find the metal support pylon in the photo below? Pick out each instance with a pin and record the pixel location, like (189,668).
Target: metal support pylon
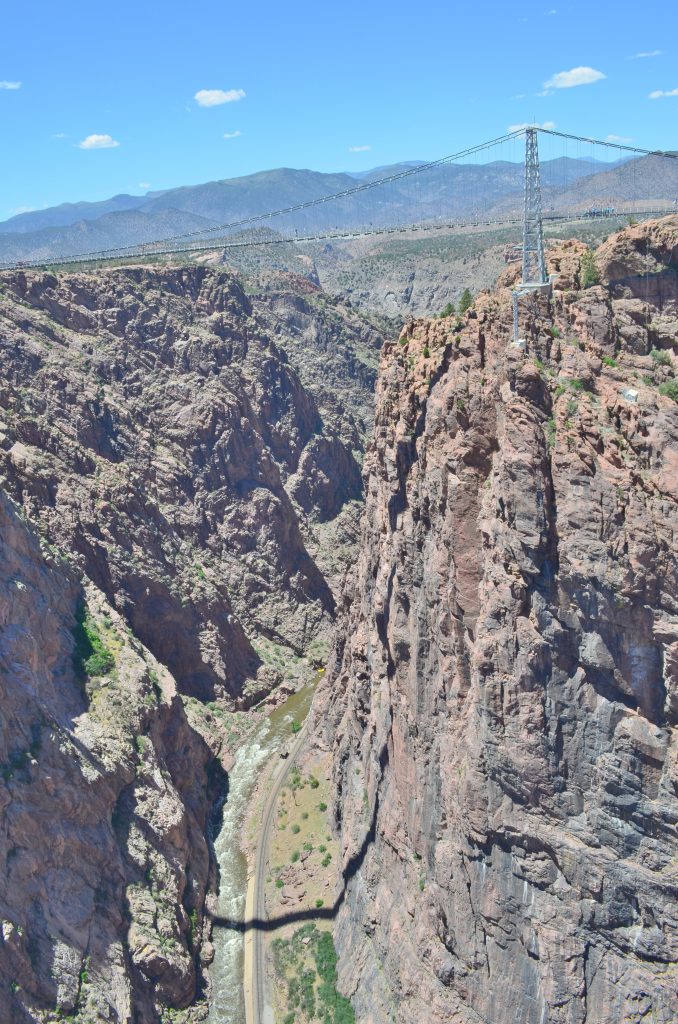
(535,277)
(534,263)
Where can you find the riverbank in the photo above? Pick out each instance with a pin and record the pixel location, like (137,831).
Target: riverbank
(249,779)
(294,861)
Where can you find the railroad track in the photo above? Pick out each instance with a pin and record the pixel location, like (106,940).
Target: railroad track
(256,983)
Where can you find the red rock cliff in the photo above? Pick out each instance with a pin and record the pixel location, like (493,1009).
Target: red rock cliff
(504,696)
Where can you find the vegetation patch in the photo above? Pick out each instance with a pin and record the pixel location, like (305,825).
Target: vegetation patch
(466,301)
(661,357)
(306,964)
(91,656)
(589,273)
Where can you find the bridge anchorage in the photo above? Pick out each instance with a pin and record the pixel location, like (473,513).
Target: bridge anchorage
(535,279)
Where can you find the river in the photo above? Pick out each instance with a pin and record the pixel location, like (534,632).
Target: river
(227,1004)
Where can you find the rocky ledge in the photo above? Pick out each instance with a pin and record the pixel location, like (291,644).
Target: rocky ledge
(503,698)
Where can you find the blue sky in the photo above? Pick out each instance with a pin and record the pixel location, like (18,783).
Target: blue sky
(321,83)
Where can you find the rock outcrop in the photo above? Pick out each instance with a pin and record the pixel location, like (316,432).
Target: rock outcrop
(104,799)
(155,425)
(503,700)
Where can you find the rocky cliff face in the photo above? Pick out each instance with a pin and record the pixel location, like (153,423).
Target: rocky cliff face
(155,426)
(503,701)
(104,860)
(179,485)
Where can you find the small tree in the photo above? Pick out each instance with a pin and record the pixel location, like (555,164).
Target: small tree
(449,310)
(466,300)
(588,272)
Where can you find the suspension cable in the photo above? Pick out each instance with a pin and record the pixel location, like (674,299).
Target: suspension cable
(610,145)
(152,248)
(364,186)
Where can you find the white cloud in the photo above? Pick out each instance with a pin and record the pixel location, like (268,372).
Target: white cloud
(545,92)
(10,85)
(22,209)
(552,12)
(660,93)
(98,142)
(232,135)
(59,135)
(144,184)
(359,149)
(618,138)
(576,76)
(645,53)
(548,125)
(215,97)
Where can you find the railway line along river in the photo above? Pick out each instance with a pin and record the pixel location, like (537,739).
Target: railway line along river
(227,1003)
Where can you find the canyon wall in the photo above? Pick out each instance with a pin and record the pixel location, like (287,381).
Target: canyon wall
(180,489)
(503,696)
(154,425)
(105,792)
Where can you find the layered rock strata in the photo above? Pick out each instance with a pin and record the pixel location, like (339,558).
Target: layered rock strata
(503,699)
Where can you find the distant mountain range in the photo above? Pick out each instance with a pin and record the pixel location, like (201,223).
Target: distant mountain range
(447,191)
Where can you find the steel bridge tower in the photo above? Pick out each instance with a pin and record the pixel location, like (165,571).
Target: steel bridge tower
(535,279)
(534,264)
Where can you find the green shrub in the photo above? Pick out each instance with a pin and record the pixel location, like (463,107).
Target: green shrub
(319,903)
(589,273)
(427,352)
(91,657)
(295,829)
(296,727)
(141,743)
(661,357)
(466,300)
(669,389)
(279,883)
(322,806)
(295,856)
(449,310)
(313,782)
(609,361)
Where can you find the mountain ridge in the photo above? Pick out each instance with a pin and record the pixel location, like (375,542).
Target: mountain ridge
(451,190)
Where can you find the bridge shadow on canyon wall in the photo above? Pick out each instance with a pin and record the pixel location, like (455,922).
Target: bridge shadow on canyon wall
(314,914)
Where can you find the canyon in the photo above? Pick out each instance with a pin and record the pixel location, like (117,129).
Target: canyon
(180,490)
(200,506)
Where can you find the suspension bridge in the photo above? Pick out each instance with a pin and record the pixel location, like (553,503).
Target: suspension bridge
(464,190)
